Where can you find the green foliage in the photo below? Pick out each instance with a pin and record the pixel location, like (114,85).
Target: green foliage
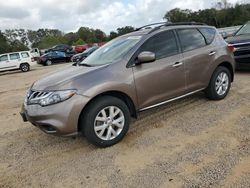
(4,46)
(222,15)
(79,42)
(49,41)
(16,46)
(121,31)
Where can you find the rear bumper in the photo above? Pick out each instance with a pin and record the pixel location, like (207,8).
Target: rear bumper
(59,119)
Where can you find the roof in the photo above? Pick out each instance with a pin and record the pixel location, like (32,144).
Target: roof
(147,29)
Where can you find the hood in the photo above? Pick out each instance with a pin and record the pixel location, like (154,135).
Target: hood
(239,39)
(80,55)
(60,80)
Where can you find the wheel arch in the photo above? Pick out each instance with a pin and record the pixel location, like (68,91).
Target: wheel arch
(118,94)
(230,68)
(23,63)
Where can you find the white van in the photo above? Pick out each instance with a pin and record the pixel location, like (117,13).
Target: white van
(16,60)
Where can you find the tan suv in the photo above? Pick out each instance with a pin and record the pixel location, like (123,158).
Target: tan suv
(130,74)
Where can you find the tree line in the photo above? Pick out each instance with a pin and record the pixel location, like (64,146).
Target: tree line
(20,39)
(223,14)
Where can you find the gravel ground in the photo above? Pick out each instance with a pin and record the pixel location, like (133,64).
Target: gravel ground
(192,142)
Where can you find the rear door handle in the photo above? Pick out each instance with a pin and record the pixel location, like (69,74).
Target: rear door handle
(177,64)
(212,53)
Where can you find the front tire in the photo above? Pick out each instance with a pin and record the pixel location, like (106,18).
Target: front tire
(220,84)
(105,121)
(24,67)
(48,63)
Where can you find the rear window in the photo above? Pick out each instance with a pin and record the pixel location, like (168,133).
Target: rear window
(209,34)
(25,55)
(4,58)
(14,56)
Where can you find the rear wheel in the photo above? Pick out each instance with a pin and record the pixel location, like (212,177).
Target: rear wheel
(105,121)
(25,67)
(220,84)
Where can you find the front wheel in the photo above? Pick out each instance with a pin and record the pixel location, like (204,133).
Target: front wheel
(105,121)
(220,84)
(48,63)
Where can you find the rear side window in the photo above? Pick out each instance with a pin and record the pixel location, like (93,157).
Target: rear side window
(14,56)
(191,39)
(4,58)
(25,55)
(209,34)
(163,45)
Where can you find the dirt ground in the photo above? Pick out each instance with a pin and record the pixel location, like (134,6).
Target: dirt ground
(192,142)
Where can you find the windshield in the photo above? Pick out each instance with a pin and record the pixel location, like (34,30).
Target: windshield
(112,51)
(244,29)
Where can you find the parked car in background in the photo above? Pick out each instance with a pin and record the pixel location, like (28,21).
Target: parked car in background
(61,48)
(228,31)
(82,48)
(130,74)
(16,60)
(241,41)
(80,57)
(35,53)
(54,57)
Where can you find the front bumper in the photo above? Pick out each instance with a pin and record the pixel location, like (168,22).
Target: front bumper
(59,119)
(242,55)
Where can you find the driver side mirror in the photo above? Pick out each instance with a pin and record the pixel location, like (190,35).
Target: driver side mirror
(146,57)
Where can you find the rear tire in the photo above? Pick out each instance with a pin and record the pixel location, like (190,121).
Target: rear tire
(105,121)
(25,67)
(220,84)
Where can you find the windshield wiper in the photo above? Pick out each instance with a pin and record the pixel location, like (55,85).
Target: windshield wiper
(85,65)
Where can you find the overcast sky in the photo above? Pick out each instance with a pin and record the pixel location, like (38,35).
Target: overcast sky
(69,15)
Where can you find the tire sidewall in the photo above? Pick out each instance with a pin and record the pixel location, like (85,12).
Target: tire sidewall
(24,65)
(48,62)
(87,125)
(218,71)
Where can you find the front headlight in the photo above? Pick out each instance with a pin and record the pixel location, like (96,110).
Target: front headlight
(52,97)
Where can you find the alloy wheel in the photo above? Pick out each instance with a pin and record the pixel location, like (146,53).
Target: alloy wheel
(222,83)
(109,123)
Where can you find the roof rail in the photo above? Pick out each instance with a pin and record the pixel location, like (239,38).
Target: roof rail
(148,26)
(176,24)
(165,24)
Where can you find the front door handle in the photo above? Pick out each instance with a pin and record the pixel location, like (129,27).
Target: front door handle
(177,64)
(212,53)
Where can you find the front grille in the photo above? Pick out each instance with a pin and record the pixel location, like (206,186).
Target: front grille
(34,95)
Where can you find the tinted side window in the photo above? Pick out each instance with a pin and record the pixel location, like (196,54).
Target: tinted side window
(25,54)
(14,56)
(163,45)
(191,39)
(4,58)
(208,33)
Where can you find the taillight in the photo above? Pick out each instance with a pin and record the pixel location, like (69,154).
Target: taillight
(32,59)
(231,48)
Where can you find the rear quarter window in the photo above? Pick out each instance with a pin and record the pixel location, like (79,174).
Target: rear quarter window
(25,55)
(209,34)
